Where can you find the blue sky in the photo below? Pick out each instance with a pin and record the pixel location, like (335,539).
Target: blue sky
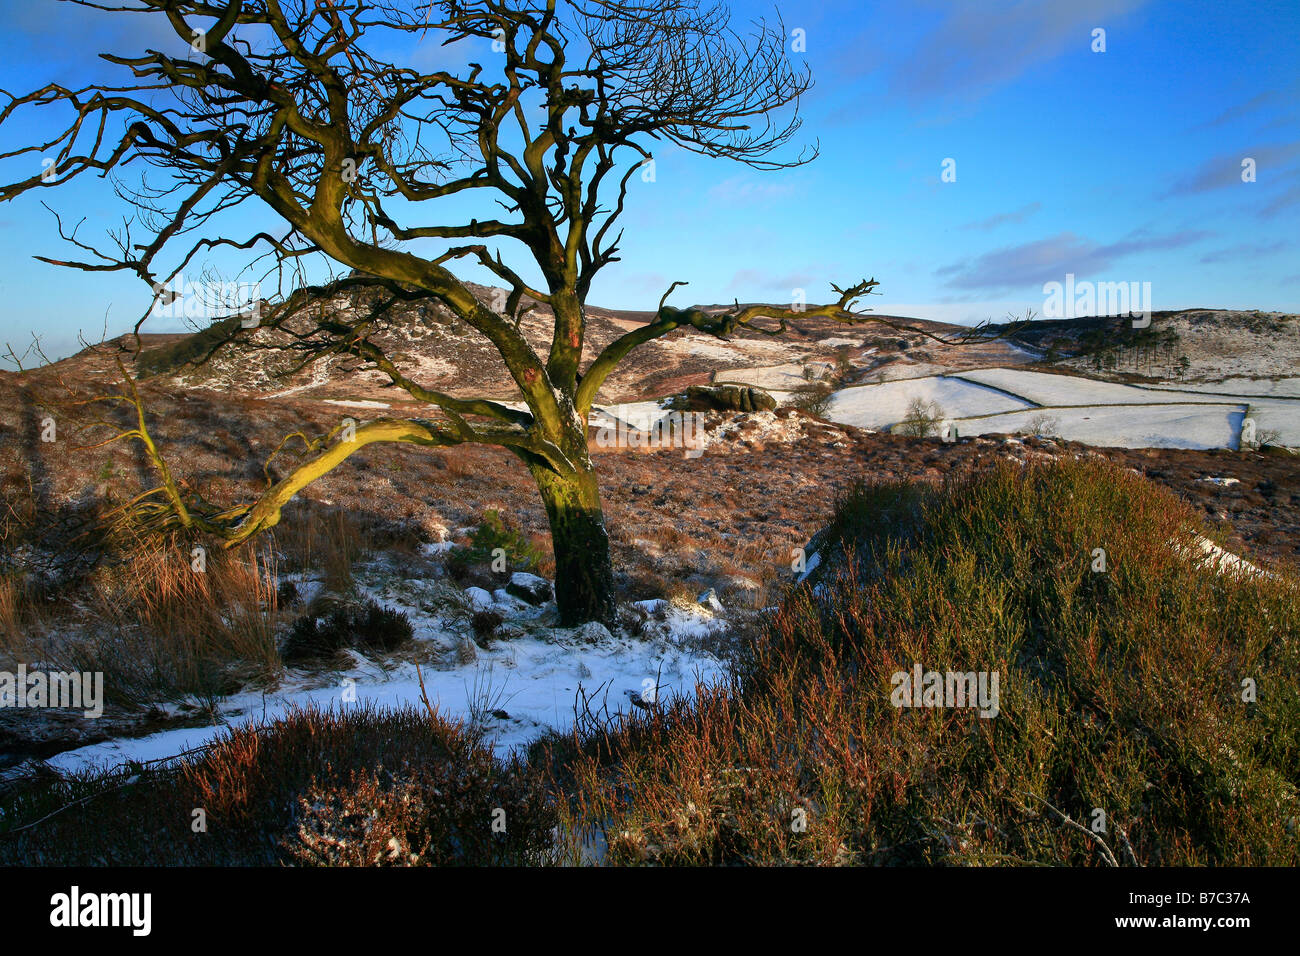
(1123,165)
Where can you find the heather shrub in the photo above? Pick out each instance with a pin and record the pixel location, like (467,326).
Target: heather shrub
(1147,713)
(360,787)
(366,625)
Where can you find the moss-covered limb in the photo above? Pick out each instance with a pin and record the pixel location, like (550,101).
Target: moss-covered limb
(237,524)
(566,344)
(131,396)
(667,318)
(525,367)
(615,352)
(458,406)
(496,265)
(548,439)
(265,513)
(721,324)
(513,430)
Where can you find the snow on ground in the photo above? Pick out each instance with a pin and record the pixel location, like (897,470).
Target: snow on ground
(1126,426)
(878,406)
(533,678)
(1087,410)
(705,346)
(788,376)
(758,427)
(905,368)
(1027,351)
(320,375)
(1262,387)
(429,368)
(1043,388)
(355,403)
(1224,561)
(1276,420)
(639,415)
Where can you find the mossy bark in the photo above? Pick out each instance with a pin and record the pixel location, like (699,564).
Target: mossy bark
(584,577)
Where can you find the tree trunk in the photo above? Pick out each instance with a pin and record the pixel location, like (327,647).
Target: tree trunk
(584,577)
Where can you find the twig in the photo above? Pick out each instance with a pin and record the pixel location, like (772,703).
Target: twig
(1107,854)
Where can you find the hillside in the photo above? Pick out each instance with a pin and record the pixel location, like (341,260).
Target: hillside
(383,524)
(441,352)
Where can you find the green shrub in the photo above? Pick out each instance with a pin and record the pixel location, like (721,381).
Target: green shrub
(490,535)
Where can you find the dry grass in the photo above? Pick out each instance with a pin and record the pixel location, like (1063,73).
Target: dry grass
(1119,691)
(329,540)
(160,630)
(18,617)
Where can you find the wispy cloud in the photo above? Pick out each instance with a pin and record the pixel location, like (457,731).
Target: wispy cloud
(1225,169)
(1241,109)
(1246,250)
(978,47)
(646,282)
(1283,201)
(1287,121)
(1043,260)
(1002,218)
(745,280)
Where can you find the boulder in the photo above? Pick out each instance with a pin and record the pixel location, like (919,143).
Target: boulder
(724,398)
(593,632)
(529,588)
(709,599)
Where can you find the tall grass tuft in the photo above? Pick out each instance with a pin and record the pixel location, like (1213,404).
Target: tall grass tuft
(164,630)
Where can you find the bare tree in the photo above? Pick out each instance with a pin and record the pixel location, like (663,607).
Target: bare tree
(283,101)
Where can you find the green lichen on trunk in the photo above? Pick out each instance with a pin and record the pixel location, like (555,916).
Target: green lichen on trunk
(584,577)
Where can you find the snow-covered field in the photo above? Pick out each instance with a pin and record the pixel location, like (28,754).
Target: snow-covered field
(1125,426)
(1263,387)
(355,403)
(1009,400)
(639,415)
(878,406)
(788,376)
(1044,388)
(518,688)
(703,347)
(1278,416)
